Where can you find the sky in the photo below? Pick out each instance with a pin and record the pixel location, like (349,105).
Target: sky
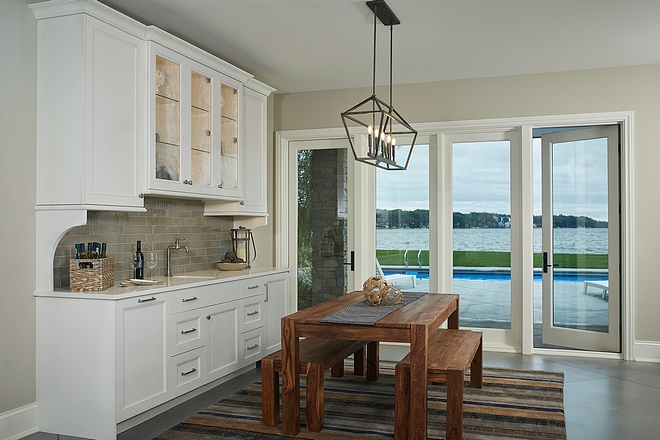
(481,177)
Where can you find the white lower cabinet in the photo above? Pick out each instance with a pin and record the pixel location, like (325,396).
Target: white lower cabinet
(141,354)
(222,320)
(276,303)
(107,362)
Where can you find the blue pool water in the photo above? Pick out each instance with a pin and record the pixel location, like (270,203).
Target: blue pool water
(500,275)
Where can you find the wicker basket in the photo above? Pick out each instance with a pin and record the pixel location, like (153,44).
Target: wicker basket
(91,274)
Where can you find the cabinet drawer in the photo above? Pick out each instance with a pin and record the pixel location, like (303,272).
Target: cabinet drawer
(187,371)
(252,287)
(251,313)
(189,299)
(252,346)
(187,331)
(224,292)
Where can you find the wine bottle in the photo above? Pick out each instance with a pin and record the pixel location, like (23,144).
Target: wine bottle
(139,258)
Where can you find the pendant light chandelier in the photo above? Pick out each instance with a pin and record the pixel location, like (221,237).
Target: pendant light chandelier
(373,117)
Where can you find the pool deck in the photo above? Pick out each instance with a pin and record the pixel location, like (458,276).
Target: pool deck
(488,302)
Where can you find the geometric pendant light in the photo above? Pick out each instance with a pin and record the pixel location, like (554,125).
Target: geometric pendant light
(376,119)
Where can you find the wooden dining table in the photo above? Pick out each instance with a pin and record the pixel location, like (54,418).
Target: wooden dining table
(412,323)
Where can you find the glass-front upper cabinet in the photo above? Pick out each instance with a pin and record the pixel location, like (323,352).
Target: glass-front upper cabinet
(168,120)
(229,142)
(195,136)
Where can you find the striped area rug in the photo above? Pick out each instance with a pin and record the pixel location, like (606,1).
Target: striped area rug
(512,404)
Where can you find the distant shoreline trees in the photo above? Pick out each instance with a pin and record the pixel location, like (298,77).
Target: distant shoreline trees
(419,218)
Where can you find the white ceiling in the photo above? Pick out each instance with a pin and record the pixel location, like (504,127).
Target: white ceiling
(302,45)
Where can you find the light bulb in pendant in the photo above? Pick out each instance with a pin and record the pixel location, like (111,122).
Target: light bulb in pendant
(389,139)
(370,129)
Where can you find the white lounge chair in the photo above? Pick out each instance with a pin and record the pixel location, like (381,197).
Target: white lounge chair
(604,287)
(396,279)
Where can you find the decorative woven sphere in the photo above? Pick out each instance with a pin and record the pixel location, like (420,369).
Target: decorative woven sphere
(373,289)
(391,295)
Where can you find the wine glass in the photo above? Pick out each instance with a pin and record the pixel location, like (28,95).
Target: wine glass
(134,262)
(152,262)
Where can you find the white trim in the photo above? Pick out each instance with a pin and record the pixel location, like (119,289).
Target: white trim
(19,423)
(647,351)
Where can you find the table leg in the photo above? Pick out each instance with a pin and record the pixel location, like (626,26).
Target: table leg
(359,362)
(290,379)
(418,381)
(373,360)
(452,321)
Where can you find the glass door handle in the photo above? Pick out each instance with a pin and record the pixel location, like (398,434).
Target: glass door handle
(545,262)
(351,262)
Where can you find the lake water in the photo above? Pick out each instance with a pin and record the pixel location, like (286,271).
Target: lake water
(567,241)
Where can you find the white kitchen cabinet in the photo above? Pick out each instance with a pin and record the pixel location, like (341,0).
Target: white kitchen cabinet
(194,146)
(144,113)
(276,304)
(253,201)
(223,331)
(142,354)
(91,79)
(108,361)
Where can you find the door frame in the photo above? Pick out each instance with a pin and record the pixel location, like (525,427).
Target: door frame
(361,208)
(435,132)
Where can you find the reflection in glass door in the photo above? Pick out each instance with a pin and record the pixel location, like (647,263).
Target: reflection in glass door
(580,243)
(322,221)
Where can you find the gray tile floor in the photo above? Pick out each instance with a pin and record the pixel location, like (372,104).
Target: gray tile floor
(604,399)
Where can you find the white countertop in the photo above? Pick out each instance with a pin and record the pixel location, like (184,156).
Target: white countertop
(176,282)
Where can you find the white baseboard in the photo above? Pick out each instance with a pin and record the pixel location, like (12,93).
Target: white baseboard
(647,351)
(19,422)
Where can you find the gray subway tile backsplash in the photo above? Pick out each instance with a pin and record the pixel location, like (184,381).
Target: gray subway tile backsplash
(207,238)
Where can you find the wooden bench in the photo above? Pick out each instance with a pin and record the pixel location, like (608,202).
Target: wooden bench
(450,353)
(315,357)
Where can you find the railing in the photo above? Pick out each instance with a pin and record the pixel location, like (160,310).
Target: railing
(419,258)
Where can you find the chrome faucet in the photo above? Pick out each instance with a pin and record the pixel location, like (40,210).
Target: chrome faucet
(176,247)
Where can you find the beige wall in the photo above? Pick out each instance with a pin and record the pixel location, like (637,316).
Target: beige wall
(18,88)
(634,89)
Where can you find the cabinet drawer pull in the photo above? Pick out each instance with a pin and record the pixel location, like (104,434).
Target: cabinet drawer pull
(185,373)
(253,287)
(256,312)
(253,347)
(185,332)
(267,292)
(153,298)
(185,300)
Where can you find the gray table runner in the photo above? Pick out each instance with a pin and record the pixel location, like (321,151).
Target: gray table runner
(364,314)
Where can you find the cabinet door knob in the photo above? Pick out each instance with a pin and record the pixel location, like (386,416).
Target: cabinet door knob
(208,317)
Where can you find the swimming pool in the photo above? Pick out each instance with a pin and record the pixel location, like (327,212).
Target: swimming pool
(501,274)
